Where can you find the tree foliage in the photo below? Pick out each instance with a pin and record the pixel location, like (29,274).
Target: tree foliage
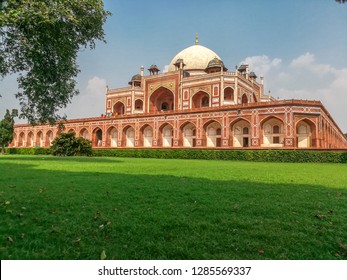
(6,129)
(66,144)
(40,40)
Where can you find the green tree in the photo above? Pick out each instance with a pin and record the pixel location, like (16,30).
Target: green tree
(40,40)
(6,129)
(66,144)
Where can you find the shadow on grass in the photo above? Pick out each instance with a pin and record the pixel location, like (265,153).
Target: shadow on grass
(76,215)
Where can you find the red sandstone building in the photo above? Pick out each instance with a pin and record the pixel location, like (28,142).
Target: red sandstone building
(198,103)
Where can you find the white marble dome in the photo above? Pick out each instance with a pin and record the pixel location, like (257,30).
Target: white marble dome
(195,57)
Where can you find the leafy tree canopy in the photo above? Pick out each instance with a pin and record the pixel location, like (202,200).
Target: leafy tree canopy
(39,41)
(6,129)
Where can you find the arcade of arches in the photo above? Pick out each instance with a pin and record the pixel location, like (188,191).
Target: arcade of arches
(197,103)
(215,133)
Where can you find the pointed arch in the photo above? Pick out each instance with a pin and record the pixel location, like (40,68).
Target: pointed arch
(146,132)
(39,139)
(229,96)
(200,99)
(49,138)
(305,133)
(138,106)
(241,132)
(84,133)
(21,139)
(188,134)
(166,135)
(30,141)
(244,99)
(119,108)
(161,100)
(97,137)
(213,133)
(128,136)
(272,129)
(112,137)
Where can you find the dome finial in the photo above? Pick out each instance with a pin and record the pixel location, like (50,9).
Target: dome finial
(196,39)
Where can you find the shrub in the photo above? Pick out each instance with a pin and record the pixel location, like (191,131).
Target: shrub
(245,155)
(66,144)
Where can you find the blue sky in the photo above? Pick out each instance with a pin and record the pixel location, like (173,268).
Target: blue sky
(299,46)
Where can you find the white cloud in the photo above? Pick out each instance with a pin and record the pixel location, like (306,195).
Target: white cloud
(262,64)
(96,86)
(304,60)
(308,61)
(90,102)
(305,78)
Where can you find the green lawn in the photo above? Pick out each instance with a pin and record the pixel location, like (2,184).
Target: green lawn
(76,208)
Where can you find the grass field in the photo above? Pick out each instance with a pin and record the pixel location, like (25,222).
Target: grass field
(77,208)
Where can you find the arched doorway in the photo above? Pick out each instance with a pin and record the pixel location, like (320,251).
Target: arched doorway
(49,137)
(130,137)
(161,100)
(167,135)
(112,137)
(84,133)
(241,133)
(138,106)
(147,136)
(30,142)
(119,108)
(200,99)
(213,134)
(21,140)
(273,135)
(305,133)
(228,96)
(189,135)
(97,137)
(244,99)
(39,139)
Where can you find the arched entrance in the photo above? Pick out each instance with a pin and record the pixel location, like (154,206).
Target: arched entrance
(273,135)
(147,133)
(130,137)
(84,133)
(189,135)
(112,137)
(97,137)
(119,108)
(138,106)
(244,99)
(21,140)
(30,142)
(228,96)
(167,135)
(305,133)
(200,99)
(241,133)
(49,137)
(39,139)
(161,100)
(213,134)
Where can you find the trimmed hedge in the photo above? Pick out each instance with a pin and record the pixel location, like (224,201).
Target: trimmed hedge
(245,155)
(28,151)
